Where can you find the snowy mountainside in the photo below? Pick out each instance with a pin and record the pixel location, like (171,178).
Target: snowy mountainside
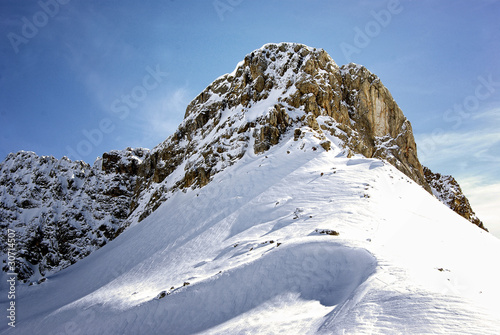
(254,251)
(278,93)
(63,210)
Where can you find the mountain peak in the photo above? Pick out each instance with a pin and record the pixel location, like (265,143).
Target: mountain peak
(277,92)
(287,95)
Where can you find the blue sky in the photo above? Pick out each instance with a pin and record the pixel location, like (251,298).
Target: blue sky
(79,78)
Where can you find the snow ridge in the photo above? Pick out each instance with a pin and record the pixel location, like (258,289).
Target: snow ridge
(290,200)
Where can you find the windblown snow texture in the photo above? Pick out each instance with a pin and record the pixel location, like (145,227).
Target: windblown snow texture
(246,253)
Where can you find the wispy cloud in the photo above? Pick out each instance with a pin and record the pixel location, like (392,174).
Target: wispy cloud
(490,115)
(484,200)
(160,115)
(443,147)
(163,113)
(472,156)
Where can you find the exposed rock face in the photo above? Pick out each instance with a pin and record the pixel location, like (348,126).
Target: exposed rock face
(64,210)
(446,189)
(295,86)
(381,129)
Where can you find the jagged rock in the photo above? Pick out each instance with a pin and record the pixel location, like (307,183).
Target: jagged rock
(63,210)
(326,145)
(447,190)
(124,161)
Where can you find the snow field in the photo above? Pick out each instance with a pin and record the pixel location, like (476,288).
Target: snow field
(402,262)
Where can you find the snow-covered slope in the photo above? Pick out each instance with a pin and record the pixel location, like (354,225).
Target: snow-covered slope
(256,251)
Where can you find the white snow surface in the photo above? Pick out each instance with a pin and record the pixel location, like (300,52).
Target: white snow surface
(244,255)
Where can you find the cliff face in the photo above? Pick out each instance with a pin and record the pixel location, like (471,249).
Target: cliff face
(64,210)
(381,129)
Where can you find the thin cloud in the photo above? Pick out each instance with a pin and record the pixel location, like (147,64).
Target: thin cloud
(160,115)
(91,43)
(490,115)
(451,146)
(484,200)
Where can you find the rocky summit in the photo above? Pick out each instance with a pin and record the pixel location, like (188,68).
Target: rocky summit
(63,210)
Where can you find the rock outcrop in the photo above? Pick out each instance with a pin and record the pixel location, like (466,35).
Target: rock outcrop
(447,190)
(64,210)
(380,128)
(279,89)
